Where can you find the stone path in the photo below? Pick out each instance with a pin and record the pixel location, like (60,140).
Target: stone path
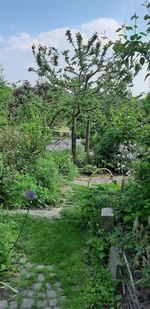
(37,287)
(83,181)
(42,213)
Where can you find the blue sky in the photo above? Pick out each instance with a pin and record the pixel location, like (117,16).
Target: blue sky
(25,21)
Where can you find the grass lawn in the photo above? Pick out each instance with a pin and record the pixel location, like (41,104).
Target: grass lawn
(57,242)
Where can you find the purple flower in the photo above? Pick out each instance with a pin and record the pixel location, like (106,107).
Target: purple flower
(30,195)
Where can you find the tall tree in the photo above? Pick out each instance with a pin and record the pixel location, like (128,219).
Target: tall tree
(82,74)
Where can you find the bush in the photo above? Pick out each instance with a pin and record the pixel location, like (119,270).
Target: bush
(137,195)
(21,183)
(47,176)
(88,169)
(64,163)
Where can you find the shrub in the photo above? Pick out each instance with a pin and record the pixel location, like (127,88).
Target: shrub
(88,169)
(21,183)
(137,195)
(64,163)
(48,179)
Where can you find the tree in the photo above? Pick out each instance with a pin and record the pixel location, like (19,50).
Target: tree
(88,72)
(134,49)
(82,73)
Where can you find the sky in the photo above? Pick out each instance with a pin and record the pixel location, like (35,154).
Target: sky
(24,22)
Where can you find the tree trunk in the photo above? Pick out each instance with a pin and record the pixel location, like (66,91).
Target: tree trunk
(87,141)
(74,137)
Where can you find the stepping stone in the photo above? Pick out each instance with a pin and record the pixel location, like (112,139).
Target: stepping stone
(40,267)
(13,305)
(36,286)
(42,303)
(30,294)
(3,304)
(51,294)
(41,278)
(29,265)
(27,303)
(23,260)
(25,292)
(49,267)
(52,274)
(41,295)
(53,302)
(48,285)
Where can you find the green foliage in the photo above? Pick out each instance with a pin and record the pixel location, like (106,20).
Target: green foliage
(102,196)
(21,183)
(47,176)
(64,163)
(114,129)
(5,98)
(99,291)
(88,169)
(137,194)
(135,48)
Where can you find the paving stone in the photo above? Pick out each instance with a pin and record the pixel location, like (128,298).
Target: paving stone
(3,304)
(40,267)
(31,294)
(25,292)
(42,303)
(48,285)
(36,286)
(24,271)
(41,295)
(29,265)
(13,305)
(49,267)
(23,259)
(51,294)
(52,274)
(40,278)
(57,284)
(53,302)
(27,303)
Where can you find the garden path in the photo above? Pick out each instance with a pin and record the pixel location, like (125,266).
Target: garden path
(42,213)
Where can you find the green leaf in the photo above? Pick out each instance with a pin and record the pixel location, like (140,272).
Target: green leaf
(142,60)
(147,17)
(129,28)
(148,30)
(143,33)
(147,75)
(119,29)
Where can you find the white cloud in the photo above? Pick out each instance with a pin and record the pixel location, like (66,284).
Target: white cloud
(101,25)
(23,41)
(16,53)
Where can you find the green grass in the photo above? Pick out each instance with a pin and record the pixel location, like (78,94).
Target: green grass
(57,242)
